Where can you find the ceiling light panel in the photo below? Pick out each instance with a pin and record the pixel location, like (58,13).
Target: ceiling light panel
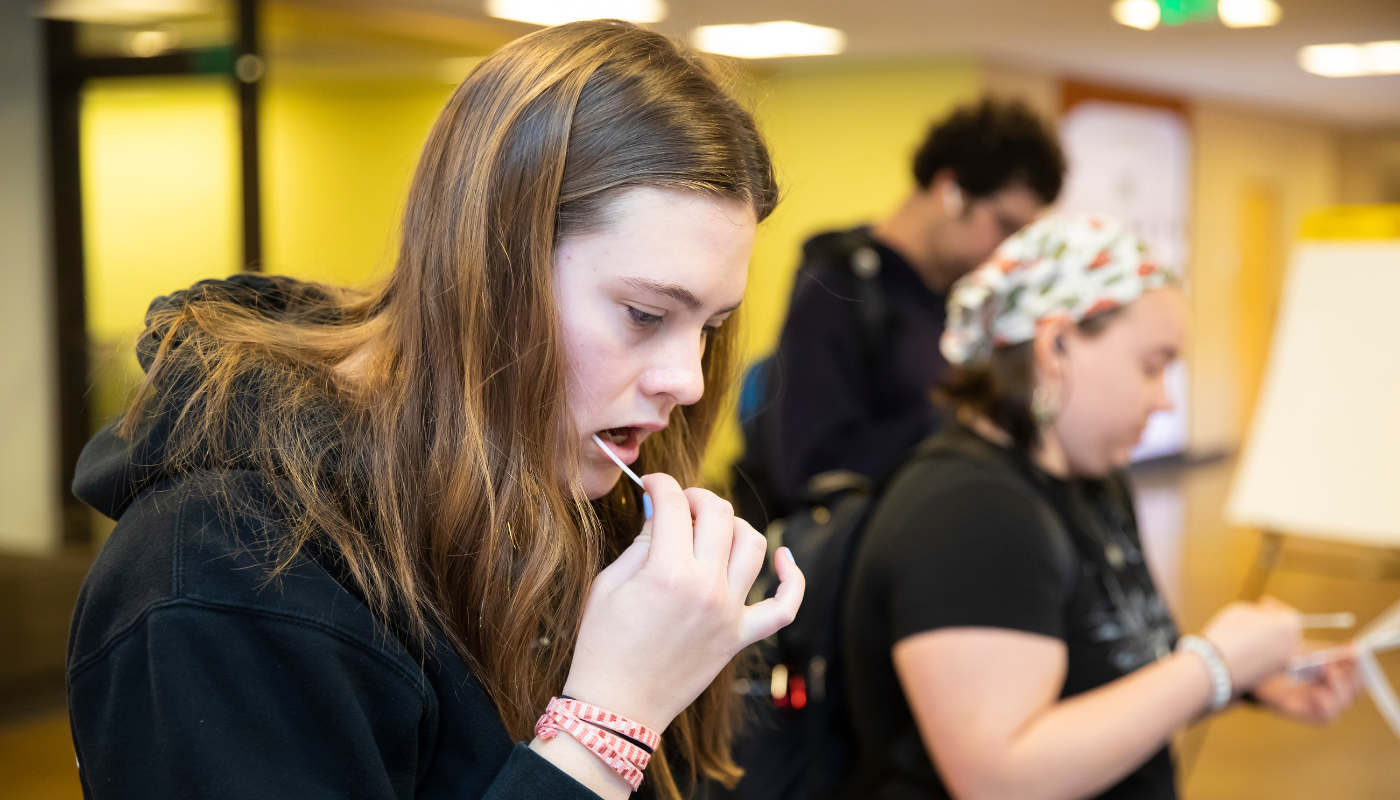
(558,12)
(1249,13)
(769,40)
(1141,14)
(1383,58)
(1351,60)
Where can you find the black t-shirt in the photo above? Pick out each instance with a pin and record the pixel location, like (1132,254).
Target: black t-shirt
(970,534)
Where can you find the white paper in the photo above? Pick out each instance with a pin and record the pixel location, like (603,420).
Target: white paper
(1373,677)
(1322,458)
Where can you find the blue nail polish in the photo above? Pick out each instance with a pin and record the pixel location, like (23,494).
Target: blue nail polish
(646,506)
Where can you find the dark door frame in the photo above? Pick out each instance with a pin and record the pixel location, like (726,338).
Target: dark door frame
(67,72)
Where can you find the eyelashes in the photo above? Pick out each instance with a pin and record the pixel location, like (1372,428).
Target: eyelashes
(642,319)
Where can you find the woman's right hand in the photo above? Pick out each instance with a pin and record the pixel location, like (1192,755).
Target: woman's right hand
(666,617)
(1255,639)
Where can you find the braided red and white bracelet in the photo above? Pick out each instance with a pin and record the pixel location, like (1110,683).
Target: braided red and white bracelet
(624,745)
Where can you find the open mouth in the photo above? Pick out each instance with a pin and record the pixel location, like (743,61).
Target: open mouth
(618,436)
(626,442)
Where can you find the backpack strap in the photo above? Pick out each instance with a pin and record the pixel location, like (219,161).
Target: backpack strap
(852,256)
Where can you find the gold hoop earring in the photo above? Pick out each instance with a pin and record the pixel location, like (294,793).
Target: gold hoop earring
(1042,409)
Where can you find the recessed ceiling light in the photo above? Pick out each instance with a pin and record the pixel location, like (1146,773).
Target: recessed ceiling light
(144,44)
(1248,13)
(1333,60)
(1142,14)
(1383,57)
(1351,60)
(770,40)
(558,12)
(125,12)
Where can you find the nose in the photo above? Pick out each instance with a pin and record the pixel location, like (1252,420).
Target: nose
(677,372)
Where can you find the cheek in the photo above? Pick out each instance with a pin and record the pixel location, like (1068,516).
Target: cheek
(1106,404)
(596,367)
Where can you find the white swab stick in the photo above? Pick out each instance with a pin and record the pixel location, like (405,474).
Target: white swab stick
(1308,666)
(646,498)
(618,461)
(1344,619)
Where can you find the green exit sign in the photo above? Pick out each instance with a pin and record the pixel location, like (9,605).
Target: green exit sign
(1178,12)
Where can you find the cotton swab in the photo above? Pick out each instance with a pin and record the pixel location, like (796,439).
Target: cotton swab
(646,498)
(1344,619)
(1308,666)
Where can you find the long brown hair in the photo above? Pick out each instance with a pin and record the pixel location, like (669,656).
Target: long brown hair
(433,477)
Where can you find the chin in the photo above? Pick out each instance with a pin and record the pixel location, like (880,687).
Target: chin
(1120,459)
(598,482)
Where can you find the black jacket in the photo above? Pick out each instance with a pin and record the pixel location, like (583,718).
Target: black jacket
(190,675)
(838,407)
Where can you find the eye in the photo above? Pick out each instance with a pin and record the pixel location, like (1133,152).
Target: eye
(641,318)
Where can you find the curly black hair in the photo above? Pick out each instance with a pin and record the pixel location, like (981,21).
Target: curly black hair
(992,145)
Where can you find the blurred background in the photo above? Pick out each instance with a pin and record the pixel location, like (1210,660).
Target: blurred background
(148,144)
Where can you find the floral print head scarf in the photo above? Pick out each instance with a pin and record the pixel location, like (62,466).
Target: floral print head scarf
(1072,266)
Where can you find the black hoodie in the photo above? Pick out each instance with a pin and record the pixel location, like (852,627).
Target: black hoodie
(190,675)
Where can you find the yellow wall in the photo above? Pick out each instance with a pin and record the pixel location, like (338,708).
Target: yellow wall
(338,158)
(161,207)
(160,192)
(162,196)
(1256,177)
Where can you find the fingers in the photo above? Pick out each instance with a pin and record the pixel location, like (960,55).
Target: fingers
(714,527)
(745,558)
(764,619)
(1340,679)
(671,532)
(1275,604)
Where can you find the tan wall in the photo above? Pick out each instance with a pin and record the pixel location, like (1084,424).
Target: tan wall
(1041,91)
(1370,167)
(29,492)
(1256,176)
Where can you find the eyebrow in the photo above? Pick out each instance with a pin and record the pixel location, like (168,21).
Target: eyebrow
(686,297)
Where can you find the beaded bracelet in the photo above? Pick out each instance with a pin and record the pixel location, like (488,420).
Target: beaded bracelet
(624,745)
(1222,687)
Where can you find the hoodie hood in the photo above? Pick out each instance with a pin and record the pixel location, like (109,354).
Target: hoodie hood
(112,471)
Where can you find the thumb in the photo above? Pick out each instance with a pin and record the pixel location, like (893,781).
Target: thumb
(628,564)
(766,618)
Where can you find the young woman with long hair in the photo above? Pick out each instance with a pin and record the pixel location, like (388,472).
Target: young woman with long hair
(1004,639)
(364,538)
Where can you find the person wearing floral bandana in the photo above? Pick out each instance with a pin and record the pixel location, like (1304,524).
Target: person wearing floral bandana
(1001,622)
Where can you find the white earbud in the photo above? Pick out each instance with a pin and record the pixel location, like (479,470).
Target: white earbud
(952,199)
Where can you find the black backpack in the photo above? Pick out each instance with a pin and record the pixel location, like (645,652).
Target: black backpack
(797,743)
(848,260)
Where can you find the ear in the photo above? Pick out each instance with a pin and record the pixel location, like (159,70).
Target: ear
(1054,337)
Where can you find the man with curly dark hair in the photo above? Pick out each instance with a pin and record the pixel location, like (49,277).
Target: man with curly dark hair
(848,389)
